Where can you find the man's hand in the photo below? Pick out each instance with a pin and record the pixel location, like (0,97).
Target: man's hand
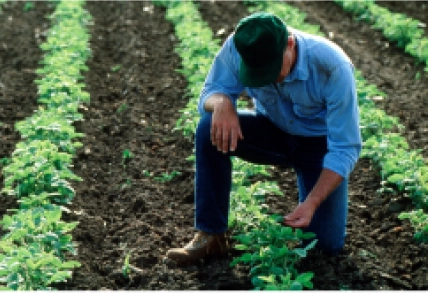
(301,216)
(225,128)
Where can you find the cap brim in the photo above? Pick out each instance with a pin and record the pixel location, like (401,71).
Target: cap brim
(260,76)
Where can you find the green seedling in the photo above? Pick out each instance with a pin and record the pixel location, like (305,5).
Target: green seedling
(418,76)
(31,268)
(116,68)
(38,167)
(127,184)
(366,253)
(126,156)
(419,220)
(122,108)
(28,6)
(167,177)
(147,173)
(126,268)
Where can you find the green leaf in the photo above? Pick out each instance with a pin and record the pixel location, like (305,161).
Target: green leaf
(300,252)
(70,265)
(60,276)
(276,270)
(241,247)
(305,279)
(311,245)
(296,286)
(396,178)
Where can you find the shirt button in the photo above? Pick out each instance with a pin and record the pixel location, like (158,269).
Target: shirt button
(291,122)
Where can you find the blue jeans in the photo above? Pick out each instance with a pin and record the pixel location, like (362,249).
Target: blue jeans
(264,143)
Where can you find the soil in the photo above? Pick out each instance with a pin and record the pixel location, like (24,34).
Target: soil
(124,208)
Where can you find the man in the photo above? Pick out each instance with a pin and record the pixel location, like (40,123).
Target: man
(306,117)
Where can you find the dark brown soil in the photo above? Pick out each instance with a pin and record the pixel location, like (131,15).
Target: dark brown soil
(123,209)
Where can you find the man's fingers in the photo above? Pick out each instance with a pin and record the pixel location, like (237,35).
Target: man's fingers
(240,134)
(213,134)
(216,137)
(219,138)
(224,140)
(295,222)
(233,140)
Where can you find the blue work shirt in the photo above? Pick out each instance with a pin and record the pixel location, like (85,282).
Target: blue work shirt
(317,98)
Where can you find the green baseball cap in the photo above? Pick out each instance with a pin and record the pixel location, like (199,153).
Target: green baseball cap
(260,39)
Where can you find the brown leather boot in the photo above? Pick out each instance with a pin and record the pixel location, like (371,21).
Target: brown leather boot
(202,246)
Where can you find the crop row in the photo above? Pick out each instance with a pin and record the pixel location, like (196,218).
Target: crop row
(404,31)
(37,240)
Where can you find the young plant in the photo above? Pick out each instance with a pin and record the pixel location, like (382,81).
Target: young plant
(38,167)
(274,255)
(126,268)
(28,6)
(122,108)
(50,125)
(116,68)
(42,226)
(419,220)
(165,177)
(127,184)
(29,267)
(127,155)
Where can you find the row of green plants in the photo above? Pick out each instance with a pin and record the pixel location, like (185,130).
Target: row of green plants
(37,242)
(270,249)
(404,171)
(405,31)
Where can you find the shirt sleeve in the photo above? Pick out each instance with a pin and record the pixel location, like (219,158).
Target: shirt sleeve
(343,131)
(223,76)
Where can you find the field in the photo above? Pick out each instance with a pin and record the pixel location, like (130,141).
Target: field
(127,207)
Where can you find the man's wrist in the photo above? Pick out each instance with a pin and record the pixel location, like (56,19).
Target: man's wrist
(217,101)
(313,201)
